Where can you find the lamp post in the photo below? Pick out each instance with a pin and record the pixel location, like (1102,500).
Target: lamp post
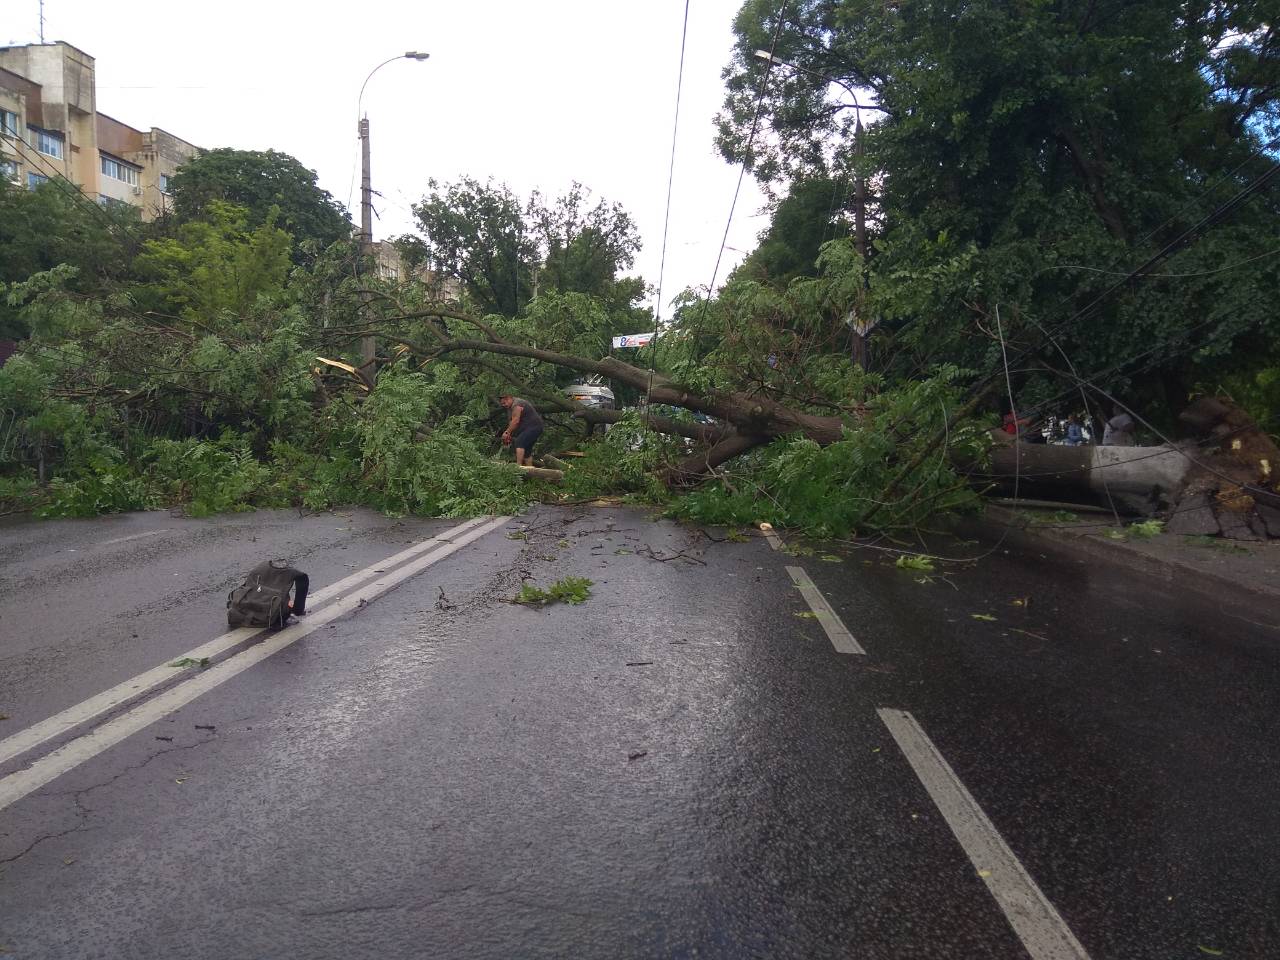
(368,347)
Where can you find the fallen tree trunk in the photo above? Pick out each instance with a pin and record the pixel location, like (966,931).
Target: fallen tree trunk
(746,420)
(1223,483)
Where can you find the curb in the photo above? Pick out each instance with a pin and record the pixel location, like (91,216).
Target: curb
(1256,593)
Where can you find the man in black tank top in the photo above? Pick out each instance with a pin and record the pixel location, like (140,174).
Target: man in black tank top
(524,429)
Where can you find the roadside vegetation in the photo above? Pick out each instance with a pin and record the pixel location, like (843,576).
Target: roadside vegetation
(1069,208)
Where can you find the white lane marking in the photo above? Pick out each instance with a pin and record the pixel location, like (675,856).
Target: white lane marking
(71,717)
(1038,925)
(70,755)
(136,536)
(837,632)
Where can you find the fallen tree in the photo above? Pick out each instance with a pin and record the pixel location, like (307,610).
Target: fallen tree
(1221,481)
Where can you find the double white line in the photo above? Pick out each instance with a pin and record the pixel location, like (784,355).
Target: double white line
(349,592)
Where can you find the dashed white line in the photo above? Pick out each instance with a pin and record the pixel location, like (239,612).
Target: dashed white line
(836,631)
(1035,921)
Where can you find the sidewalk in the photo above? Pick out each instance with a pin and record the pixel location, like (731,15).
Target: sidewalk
(1243,573)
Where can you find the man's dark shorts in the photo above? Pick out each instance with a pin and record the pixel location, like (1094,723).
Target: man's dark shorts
(525,439)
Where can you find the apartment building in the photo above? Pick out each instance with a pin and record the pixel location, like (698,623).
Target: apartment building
(50,127)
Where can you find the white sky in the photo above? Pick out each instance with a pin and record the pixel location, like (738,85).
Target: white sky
(536,93)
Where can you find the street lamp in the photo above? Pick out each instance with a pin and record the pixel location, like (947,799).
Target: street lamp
(367,345)
(859,185)
(366,190)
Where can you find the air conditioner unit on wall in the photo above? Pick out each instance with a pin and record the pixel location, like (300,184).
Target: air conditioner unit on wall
(137,191)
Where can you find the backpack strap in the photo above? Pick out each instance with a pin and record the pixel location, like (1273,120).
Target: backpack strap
(301,583)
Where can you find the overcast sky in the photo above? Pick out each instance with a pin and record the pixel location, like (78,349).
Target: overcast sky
(533,94)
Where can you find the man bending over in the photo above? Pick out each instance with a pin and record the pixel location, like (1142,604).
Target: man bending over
(524,429)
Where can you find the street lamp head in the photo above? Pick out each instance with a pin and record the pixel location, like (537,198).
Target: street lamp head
(766,55)
(414,55)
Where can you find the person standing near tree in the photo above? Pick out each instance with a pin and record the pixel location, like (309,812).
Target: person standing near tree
(524,429)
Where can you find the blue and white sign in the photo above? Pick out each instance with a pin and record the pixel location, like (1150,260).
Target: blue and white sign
(632,340)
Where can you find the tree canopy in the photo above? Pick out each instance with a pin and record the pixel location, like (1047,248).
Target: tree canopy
(259,181)
(1027,157)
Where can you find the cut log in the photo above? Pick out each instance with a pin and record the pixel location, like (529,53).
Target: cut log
(1137,480)
(555,476)
(1220,484)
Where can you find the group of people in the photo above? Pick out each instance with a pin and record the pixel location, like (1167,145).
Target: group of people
(1119,431)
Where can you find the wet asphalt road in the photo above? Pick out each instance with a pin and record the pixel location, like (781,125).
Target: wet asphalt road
(682,766)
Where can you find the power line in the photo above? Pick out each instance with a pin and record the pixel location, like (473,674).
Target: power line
(746,153)
(666,219)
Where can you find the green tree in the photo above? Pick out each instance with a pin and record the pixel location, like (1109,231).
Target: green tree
(811,214)
(52,225)
(1027,157)
(506,251)
(476,232)
(260,181)
(215,266)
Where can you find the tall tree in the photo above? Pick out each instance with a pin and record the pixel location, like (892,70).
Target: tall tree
(1028,156)
(506,251)
(53,225)
(259,181)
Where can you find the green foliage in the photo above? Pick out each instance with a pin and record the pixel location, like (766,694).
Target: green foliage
(570,590)
(626,460)
(271,187)
(217,265)
(831,491)
(917,562)
(51,227)
(412,467)
(1026,157)
(1147,529)
(96,486)
(208,477)
(506,251)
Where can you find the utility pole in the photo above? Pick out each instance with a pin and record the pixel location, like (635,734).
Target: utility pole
(368,346)
(42,21)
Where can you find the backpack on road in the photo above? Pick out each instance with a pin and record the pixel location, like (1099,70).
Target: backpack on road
(263,599)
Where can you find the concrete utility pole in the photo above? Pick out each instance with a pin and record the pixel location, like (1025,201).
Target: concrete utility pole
(368,345)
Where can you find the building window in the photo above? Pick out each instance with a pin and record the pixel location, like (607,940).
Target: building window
(8,169)
(9,123)
(119,170)
(164,183)
(35,179)
(46,141)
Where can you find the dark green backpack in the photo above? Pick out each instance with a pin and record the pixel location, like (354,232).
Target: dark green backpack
(263,599)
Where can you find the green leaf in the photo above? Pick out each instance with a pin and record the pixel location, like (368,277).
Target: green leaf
(918,562)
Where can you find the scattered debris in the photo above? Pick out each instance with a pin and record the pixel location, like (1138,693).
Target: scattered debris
(443,603)
(165,739)
(190,662)
(918,562)
(640,663)
(570,590)
(637,756)
(206,726)
(982,616)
